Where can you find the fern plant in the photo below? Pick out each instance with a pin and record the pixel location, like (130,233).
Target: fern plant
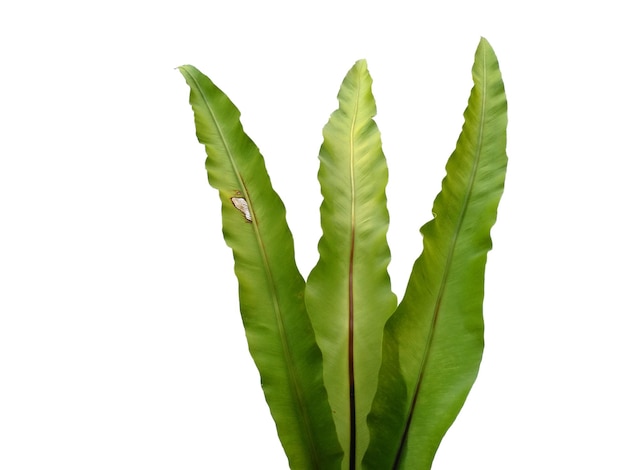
(352,379)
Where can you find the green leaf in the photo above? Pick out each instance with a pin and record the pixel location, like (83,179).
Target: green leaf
(348,293)
(271,290)
(434,341)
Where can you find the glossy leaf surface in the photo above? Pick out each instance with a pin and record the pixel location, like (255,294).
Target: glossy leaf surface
(348,292)
(271,289)
(434,341)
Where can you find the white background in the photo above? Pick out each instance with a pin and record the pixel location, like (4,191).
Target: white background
(121,345)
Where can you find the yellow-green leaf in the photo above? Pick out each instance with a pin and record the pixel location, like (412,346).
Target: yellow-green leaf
(348,292)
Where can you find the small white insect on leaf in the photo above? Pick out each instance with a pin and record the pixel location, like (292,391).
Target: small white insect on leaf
(241,204)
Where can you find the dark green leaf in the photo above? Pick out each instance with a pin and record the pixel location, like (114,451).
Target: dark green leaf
(271,290)
(434,341)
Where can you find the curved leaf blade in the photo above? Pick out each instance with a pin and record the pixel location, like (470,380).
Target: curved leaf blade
(348,293)
(271,290)
(434,341)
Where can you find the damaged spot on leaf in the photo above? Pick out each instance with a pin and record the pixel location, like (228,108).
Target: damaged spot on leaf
(241,204)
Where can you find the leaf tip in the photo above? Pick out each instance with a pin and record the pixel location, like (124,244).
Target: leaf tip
(483,44)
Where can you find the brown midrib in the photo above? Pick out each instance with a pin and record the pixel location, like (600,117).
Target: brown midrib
(352,392)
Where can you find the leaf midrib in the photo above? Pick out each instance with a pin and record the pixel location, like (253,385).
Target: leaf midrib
(352,391)
(295,385)
(450,255)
